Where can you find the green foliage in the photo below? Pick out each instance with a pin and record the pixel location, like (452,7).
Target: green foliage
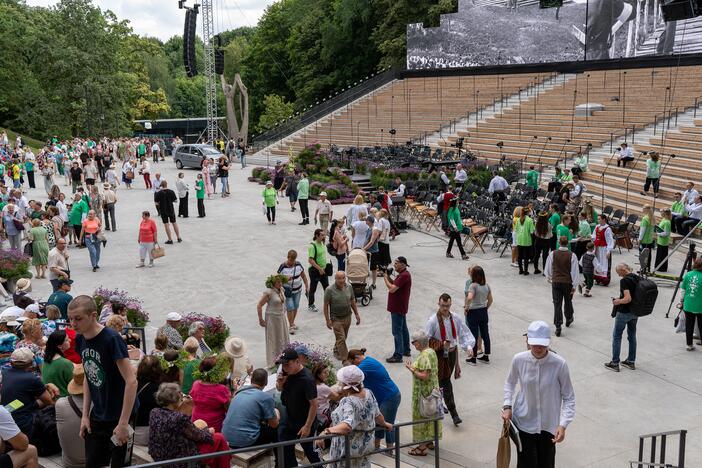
(276,110)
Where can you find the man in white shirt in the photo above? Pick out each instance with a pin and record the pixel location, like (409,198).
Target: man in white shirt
(447,332)
(690,194)
(58,264)
(22,455)
(694,215)
(155,151)
(109,199)
(460,177)
(545,404)
(562,270)
(324,210)
(401,188)
(626,154)
(497,187)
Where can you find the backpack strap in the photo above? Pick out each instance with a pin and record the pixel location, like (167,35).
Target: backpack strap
(76,410)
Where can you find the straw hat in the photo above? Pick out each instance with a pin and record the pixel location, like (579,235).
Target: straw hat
(75,386)
(24,285)
(235,346)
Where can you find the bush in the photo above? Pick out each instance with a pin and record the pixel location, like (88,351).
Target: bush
(333,193)
(135,310)
(14,264)
(315,354)
(216,331)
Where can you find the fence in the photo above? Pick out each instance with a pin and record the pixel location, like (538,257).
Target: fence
(346,458)
(663,437)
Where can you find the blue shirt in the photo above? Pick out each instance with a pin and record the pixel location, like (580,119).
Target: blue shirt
(377,379)
(248,409)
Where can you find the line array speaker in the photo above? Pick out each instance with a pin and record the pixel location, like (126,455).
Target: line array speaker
(189,31)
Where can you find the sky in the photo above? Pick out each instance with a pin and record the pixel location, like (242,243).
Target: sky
(163,19)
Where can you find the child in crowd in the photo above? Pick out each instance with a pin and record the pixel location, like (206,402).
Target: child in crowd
(587,262)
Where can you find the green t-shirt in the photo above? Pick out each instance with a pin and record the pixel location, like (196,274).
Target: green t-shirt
(75,218)
(692,285)
(532,179)
(339,301)
(664,237)
(318,251)
(554,221)
(653,169)
(200,189)
(269,196)
(647,230)
(141,149)
(524,231)
(188,378)
(303,189)
(562,230)
(58,372)
(678,208)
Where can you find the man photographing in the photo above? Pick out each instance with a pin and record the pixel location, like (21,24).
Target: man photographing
(399,289)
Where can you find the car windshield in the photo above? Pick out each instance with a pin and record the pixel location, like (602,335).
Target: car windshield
(207,150)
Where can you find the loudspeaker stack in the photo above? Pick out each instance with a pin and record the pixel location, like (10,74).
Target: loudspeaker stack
(189,42)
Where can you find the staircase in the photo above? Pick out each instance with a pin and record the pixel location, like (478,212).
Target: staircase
(688,38)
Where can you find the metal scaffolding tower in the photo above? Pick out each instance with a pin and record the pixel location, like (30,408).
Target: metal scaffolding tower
(211,78)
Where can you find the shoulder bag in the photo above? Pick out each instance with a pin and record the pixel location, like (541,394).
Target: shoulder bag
(158,252)
(431,406)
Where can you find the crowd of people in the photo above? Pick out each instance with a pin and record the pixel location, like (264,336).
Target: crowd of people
(76,370)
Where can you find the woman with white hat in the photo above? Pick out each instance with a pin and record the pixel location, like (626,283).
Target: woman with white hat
(545,403)
(237,348)
(356,415)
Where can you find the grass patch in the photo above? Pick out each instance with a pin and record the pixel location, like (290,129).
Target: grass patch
(11,136)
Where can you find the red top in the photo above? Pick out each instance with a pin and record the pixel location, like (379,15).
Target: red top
(71,354)
(600,240)
(398,302)
(147,230)
(210,403)
(448,196)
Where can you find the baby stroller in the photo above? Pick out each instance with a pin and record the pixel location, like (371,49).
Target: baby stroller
(357,271)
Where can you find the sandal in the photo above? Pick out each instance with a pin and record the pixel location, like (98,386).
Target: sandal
(418,452)
(430,445)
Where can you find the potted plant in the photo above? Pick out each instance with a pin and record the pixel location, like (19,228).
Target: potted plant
(135,309)
(216,331)
(14,264)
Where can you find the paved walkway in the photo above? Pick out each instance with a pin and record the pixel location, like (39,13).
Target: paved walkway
(221,266)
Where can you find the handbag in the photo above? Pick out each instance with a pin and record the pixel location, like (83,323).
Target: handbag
(129,175)
(680,322)
(431,406)
(19,225)
(504,451)
(158,252)
(28,251)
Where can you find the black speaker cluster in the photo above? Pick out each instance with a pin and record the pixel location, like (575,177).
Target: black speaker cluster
(674,10)
(189,31)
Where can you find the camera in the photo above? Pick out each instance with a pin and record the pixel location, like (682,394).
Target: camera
(386,270)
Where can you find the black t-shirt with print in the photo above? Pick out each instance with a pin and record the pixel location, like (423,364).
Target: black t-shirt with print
(100,355)
(297,392)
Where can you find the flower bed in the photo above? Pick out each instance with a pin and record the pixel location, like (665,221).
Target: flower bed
(135,310)
(315,354)
(216,331)
(14,264)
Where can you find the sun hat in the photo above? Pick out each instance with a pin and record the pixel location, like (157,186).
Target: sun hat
(235,346)
(322,194)
(269,183)
(33,308)
(539,333)
(24,285)
(12,311)
(174,317)
(75,386)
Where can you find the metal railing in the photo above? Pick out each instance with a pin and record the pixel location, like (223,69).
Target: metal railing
(663,436)
(322,109)
(346,459)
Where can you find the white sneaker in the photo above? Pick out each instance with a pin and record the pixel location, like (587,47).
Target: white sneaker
(141,265)
(690,348)
(515,264)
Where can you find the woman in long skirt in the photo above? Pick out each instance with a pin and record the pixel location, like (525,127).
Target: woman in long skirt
(275,321)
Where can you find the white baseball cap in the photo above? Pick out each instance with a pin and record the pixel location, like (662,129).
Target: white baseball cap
(539,333)
(174,317)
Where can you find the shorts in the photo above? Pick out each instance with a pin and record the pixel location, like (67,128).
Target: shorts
(375,260)
(293,303)
(5,461)
(168,218)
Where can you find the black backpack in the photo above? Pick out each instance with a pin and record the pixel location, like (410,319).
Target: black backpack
(644,297)
(45,433)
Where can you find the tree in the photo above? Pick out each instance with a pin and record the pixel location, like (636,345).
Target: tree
(276,110)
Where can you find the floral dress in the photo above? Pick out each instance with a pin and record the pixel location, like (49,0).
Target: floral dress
(360,414)
(50,234)
(427,360)
(173,435)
